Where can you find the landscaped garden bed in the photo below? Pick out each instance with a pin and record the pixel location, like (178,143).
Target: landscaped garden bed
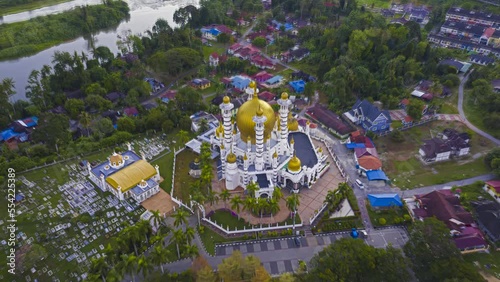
(389,216)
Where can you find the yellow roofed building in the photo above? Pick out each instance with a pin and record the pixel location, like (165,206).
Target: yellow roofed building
(126,175)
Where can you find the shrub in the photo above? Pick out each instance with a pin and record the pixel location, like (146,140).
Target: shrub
(406,217)
(382,221)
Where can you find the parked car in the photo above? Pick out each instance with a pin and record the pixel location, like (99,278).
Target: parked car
(360,184)
(297,242)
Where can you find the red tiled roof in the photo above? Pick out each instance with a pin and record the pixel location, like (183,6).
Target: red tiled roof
(495,184)
(330,119)
(267,96)
(489,32)
(408,119)
(444,206)
(469,241)
(170,94)
(370,162)
(214,55)
(131,111)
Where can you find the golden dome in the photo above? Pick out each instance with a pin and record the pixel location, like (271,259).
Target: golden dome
(219,130)
(252,84)
(294,164)
(320,149)
(226,100)
(284,95)
(259,111)
(292,141)
(244,118)
(293,123)
(245,157)
(275,155)
(143,183)
(116,158)
(231,158)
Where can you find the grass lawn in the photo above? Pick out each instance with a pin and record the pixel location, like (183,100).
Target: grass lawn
(487,263)
(449,104)
(226,219)
(29,6)
(310,69)
(475,115)
(473,192)
(166,164)
(406,171)
(183,180)
(392,216)
(219,48)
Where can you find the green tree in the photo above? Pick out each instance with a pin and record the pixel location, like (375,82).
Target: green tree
(7,91)
(180,217)
(259,42)
(86,121)
(53,130)
(415,109)
(99,266)
(126,124)
(206,274)
(223,38)
(98,103)
(237,268)
(130,266)
(492,161)
(103,127)
(224,196)
(178,237)
(292,203)
(352,260)
(235,204)
(74,107)
(434,256)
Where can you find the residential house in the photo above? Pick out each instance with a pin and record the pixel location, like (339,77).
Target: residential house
(267,96)
(385,201)
(200,83)
(329,119)
(240,82)
(369,117)
(445,206)
(419,15)
(459,66)
(459,142)
(168,96)
(212,31)
(213,59)
(494,40)
(400,21)
(131,112)
(493,187)
(295,54)
(115,97)
(488,33)
(496,85)
(481,60)
(298,85)
(467,45)
(246,52)
(303,76)
(476,17)
(261,62)
(234,48)
(18,131)
(262,76)
(426,96)
(274,81)
(488,219)
(387,13)
(196,120)
(155,84)
(464,30)
(452,144)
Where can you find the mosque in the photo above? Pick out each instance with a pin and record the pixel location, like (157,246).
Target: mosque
(261,147)
(126,175)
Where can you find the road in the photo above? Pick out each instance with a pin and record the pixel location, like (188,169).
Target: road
(462,114)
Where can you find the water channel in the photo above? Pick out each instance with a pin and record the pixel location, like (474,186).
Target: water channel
(143,15)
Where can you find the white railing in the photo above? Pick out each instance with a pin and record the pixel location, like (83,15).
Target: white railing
(313,218)
(173,170)
(180,203)
(254,229)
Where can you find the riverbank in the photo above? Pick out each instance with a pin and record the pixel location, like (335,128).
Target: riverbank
(30,37)
(29,6)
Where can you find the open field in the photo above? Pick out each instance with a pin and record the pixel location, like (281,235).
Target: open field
(475,115)
(374,3)
(487,263)
(183,181)
(405,170)
(29,6)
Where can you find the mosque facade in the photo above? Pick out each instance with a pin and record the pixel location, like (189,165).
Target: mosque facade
(265,148)
(126,175)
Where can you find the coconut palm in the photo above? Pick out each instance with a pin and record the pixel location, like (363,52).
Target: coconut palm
(249,204)
(262,206)
(189,234)
(110,254)
(277,193)
(130,265)
(183,136)
(235,204)
(274,206)
(343,189)
(200,199)
(157,219)
(144,227)
(86,121)
(252,187)
(159,256)
(191,251)
(133,235)
(212,197)
(114,275)
(178,237)
(330,197)
(180,217)
(144,265)
(99,266)
(224,196)
(292,202)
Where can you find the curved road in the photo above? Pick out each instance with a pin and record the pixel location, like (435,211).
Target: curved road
(462,115)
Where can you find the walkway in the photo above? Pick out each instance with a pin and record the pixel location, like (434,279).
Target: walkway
(462,114)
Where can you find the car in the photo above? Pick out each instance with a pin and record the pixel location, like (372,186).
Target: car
(364,233)
(360,184)
(297,241)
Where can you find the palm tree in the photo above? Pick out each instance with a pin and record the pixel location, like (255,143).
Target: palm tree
(159,256)
(133,236)
(110,253)
(130,265)
(99,266)
(183,136)
(189,234)
(330,197)
(191,251)
(144,227)
(277,194)
(343,189)
(86,121)
(235,204)
(6,91)
(252,187)
(262,205)
(144,265)
(292,202)
(212,197)
(178,237)
(274,206)
(224,196)
(157,219)
(200,199)
(249,204)
(114,275)
(180,217)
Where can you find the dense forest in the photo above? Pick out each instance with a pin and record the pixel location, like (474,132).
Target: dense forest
(28,37)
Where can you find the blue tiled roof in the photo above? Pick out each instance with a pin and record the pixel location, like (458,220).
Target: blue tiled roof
(385,200)
(138,190)
(99,169)
(370,111)
(274,79)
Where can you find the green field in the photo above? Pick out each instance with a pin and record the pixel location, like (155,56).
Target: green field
(29,6)
(487,263)
(373,3)
(475,116)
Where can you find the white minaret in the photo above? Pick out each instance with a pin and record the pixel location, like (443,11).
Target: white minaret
(120,193)
(259,120)
(245,168)
(292,146)
(275,168)
(284,103)
(157,172)
(89,168)
(143,156)
(226,109)
(129,146)
(223,158)
(249,144)
(103,183)
(251,90)
(308,129)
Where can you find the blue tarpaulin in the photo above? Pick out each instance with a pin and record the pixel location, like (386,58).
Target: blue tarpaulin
(376,175)
(385,200)
(355,145)
(7,134)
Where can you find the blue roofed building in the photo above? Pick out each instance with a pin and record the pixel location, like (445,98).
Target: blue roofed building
(126,175)
(369,117)
(385,200)
(275,80)
(298,85)
(18,131)
(240,82)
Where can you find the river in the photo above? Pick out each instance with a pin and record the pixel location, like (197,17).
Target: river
(143,15)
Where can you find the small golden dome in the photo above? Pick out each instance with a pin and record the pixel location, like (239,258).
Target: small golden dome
(196,160)
(245,157)
(320,150)
(292,141)
(260,112)
(293,123)
(252,84)
(275,155)
(284,95)
(116,158)
(226,100)
(234,131)
(143,183)
(231,158)
(294,164)
(249,139)
(308,122)
(222,146)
